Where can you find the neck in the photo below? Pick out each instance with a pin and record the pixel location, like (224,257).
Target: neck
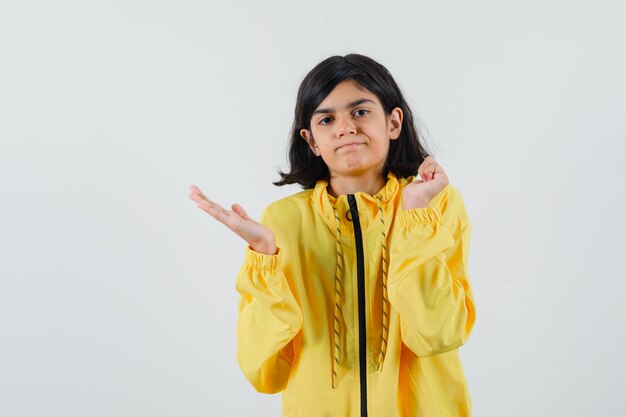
(370,183)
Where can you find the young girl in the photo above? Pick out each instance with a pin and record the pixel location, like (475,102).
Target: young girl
(354,293)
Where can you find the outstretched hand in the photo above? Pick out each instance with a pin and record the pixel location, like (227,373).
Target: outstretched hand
(419,192)
(259,237)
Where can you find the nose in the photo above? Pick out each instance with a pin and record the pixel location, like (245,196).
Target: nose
(345,125)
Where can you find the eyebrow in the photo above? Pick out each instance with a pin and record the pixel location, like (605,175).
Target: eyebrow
(354,103)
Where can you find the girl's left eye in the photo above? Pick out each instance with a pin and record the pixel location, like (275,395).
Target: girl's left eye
(366,111)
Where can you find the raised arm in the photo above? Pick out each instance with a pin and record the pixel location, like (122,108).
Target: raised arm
(428,280)
(268,315)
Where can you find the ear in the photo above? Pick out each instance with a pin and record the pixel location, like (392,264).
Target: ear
(394,121)
(308,137)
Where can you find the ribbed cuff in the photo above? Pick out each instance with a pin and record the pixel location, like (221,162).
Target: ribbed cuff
(262,261)
(419,215)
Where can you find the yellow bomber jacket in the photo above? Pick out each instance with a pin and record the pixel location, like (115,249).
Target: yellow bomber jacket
(363,308)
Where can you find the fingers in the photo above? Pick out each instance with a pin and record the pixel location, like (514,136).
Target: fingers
(240,211)
(206,204)
(430,171)
(230,218)
(428,168)
(214,210)
(196,195)
(203,201)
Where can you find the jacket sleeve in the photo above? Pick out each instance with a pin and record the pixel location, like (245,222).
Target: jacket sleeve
(268,319)
(428,282)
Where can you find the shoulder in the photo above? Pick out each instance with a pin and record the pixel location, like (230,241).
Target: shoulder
(450,202)
(287,209)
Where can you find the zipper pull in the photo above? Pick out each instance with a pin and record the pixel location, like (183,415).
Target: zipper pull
(354,212)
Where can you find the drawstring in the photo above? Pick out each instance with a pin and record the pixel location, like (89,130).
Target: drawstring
(335,364)
(338,276)
(383,344)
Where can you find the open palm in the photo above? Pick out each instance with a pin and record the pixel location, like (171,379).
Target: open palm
(259,237)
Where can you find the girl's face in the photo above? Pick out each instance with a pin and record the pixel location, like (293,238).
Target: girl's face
(351,131)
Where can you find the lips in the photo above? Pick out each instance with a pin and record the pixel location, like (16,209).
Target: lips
(350,145)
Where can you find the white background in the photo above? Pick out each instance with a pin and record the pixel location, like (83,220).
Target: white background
(117,293)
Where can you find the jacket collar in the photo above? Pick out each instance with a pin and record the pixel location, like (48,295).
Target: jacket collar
(389,195)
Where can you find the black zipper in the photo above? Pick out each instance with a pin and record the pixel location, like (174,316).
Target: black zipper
(361,288)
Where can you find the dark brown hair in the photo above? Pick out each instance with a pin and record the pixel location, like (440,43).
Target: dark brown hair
(405,153)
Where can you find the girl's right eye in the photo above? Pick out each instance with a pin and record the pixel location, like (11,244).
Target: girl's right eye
(323,120)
